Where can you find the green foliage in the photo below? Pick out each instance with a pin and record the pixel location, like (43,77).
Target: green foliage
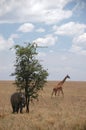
(29,73)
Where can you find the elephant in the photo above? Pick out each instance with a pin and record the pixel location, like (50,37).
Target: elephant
(18,101)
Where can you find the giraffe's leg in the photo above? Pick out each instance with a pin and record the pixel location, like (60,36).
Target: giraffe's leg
(62,92)
(58,92)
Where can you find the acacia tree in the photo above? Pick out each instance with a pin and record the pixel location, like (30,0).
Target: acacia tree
(29,73)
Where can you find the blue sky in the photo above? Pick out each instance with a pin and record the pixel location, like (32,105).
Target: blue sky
(58,24)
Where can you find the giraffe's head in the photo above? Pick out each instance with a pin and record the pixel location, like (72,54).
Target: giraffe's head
(68,76)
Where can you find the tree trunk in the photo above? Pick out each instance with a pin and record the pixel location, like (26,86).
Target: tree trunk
(27,105)
(27,98)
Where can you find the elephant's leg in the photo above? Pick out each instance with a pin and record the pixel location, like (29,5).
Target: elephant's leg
(13,107)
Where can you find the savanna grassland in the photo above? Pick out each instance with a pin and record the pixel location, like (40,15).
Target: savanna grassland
(57,113)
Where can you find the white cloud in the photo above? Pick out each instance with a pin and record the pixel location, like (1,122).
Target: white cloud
(81,39)
(5,7)
(56,15)
(36,10)
(51,51)
(77,32)
(70,29)
(48,40)
(40,30)
(26,27)
(14,36)
(41,54)
(6,44)
(79,44)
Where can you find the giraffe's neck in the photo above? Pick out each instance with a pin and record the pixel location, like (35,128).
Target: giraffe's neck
(64,80)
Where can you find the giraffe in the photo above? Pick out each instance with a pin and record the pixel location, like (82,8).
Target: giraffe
(59,86)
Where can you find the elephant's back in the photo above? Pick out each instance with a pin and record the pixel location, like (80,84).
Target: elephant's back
(14,97)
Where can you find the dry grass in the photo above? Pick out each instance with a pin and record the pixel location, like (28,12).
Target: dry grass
(57,113)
